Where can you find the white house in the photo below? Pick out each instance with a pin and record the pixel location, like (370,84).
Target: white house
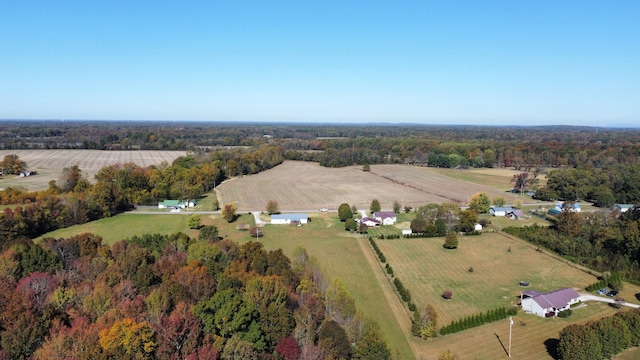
(499,211)
(548,304)
(289,218)
(176,204)
(385,217)
(477,227)
(406,232)
(370,222)
(622,208)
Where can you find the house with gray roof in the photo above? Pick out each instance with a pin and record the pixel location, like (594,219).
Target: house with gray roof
(548,304)
(289,218)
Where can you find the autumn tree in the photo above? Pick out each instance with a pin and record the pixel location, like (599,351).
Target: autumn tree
(375,206)
(229,212)
(194,221)
(451,241)
(350,225)
(480,203)
(209,233)
(272,207)
(344,212)
(12,164)
(428,321)
(128,338)
(467,221)
(396,206)
(333,340)
(499,201)
(371,343)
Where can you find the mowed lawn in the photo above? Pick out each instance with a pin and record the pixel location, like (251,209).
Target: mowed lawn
(427,269)
(123,226)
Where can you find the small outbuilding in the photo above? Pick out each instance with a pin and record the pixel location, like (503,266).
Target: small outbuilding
(499,210)
(285,219)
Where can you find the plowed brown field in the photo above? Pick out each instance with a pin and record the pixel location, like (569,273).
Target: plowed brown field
(308,186)
(49,163)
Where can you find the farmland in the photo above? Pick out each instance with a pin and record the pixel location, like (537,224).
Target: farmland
(304,186)
(424,267)
(49,163)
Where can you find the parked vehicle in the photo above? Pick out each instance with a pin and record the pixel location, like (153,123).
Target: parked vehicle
(612,293)
(603,291)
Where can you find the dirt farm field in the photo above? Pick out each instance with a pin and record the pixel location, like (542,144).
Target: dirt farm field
(49,163)
(307,186)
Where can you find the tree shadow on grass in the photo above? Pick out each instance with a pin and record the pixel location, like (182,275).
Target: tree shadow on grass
(638,296)
(552,347)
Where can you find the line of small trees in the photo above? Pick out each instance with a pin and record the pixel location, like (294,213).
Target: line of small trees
(477,320)
(613,280)
(381,256)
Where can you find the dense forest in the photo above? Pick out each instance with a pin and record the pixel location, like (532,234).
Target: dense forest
(173,297)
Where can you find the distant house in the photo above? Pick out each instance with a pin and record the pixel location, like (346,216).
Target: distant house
(622,208)
(385,217)
(176,204)
(548,304)
(285,219)
(499,211)
(370,222)
(477,227)
(515,214)
(406,232)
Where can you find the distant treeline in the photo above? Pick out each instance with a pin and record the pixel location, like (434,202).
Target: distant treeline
(341,145)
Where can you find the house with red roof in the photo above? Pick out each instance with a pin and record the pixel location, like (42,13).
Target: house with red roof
(548,304)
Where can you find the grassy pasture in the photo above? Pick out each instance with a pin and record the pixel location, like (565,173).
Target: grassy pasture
(120,227)
(303,186)
(499,179)
(49,163)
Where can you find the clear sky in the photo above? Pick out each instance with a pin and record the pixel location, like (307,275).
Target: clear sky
(437,62)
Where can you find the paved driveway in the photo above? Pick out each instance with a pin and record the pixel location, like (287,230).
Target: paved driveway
(590,297)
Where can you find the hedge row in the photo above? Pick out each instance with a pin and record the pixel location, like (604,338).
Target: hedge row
(613,280)
(404,293)
(381,256)
(477,320)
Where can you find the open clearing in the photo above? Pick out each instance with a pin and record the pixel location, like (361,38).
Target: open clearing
(305,186)
(49,163)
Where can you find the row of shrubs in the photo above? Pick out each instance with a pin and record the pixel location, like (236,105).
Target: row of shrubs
(404,292)
(613,281)
(477,320)
(381,256)
(388,236)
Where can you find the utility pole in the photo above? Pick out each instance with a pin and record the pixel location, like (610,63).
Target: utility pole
(510,326)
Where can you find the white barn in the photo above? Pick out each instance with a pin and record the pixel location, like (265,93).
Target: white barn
(285,219)
(548,304)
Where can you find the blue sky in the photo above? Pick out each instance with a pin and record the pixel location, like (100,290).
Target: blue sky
(436,62)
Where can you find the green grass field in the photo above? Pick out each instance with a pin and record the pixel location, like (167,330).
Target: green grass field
(122,226)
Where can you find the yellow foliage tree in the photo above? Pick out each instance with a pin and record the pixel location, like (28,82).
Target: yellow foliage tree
(129,338)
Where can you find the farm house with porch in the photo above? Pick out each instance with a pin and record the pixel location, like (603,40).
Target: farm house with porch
(548,304)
